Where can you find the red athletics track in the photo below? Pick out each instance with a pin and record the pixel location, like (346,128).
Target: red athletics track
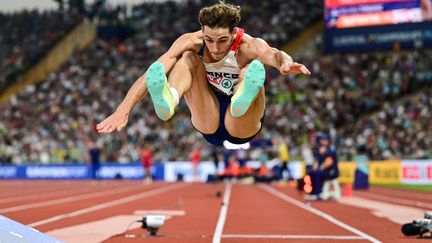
(81,211)
(404,197)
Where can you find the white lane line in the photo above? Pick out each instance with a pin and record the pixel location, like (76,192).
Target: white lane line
(223,213)
(317,212)
(67,199)
(108,204)
(332,237)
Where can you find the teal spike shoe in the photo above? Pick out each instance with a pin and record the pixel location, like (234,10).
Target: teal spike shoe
(159,91)
(253,81)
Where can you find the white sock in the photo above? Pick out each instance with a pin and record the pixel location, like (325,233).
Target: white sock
(175,95)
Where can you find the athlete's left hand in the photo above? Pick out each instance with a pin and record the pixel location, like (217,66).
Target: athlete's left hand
(293,68)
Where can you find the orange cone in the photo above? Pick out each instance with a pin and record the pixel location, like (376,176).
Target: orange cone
(347,192)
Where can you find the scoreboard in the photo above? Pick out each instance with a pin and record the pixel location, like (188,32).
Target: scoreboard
(377,24)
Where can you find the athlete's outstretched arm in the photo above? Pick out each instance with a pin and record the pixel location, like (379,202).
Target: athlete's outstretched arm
(259,49)
(119,118)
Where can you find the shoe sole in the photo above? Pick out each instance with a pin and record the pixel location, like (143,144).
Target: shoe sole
(157,86)
(253,81)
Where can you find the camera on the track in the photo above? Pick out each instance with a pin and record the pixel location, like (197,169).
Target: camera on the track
(419,227)
(152,223)
(428,215)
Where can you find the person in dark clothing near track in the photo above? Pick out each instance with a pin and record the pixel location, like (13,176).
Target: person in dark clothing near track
(325,166)
(94,159)
(215,157)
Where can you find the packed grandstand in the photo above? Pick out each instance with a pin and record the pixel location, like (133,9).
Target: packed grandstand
(373,103)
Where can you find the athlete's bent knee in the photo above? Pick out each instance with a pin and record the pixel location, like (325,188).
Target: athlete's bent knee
(190,58)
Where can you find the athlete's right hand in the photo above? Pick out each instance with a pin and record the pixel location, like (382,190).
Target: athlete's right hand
(116,121)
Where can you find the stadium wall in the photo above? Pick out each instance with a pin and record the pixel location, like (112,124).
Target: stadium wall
(168,171)
(417,172)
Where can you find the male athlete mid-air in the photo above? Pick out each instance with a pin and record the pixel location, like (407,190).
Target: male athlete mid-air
(215,69)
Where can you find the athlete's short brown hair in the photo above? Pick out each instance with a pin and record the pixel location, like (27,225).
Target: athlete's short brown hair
(220,15)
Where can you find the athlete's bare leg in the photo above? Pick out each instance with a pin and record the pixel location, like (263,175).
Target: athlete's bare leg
(188,77)
(248,124)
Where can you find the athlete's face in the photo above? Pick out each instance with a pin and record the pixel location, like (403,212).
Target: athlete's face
(218,41)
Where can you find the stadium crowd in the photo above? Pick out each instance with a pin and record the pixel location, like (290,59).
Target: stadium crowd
(346,88)
(355,96)
(399,130)
(26,36)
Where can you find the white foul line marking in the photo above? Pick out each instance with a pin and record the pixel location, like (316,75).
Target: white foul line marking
(333,237)
(222,215)
(161,212)
(108,204)
(318,212)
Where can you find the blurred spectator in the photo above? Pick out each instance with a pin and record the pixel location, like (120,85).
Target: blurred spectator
(307,155)
(146,162)
(215,157)
(94,160)
(242,158)
(284,158)
(195,158)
